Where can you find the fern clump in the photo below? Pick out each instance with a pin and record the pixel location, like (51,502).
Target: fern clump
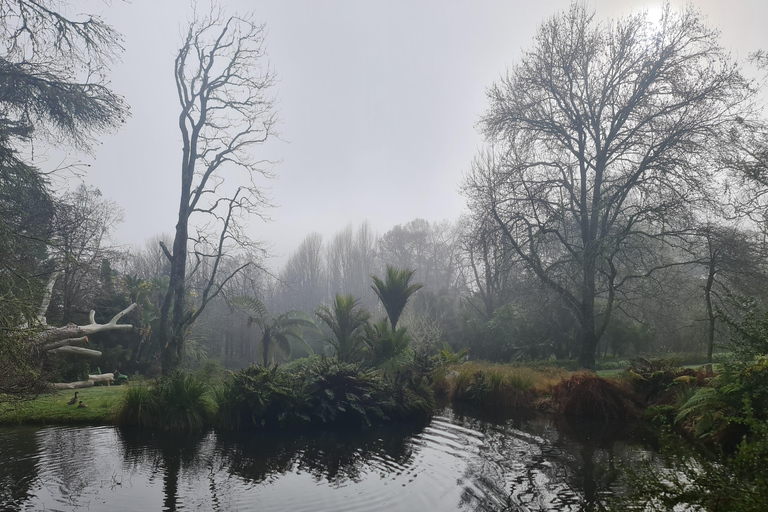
(322,393)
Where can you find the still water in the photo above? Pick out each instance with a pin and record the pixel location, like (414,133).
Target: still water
(456,462)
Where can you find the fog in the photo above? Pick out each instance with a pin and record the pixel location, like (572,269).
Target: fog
(378,104)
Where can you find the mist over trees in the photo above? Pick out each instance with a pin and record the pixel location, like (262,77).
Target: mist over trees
(618,209)
(223,82)
(610,137)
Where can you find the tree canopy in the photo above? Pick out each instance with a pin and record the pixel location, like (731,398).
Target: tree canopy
(604,144)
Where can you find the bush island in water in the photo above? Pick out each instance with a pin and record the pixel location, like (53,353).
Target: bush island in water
(322,392)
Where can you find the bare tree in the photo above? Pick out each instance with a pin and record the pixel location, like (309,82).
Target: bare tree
(608,133)
(304,280)
(351,260)
(734,262)
(84,222)
(223,82)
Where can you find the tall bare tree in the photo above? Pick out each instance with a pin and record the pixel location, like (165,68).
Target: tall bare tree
(223,81)
(304,282)
(608,133)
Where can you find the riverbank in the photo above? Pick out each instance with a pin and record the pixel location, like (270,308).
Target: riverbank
(51,409)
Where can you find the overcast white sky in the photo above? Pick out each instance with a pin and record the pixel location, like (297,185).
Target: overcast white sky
(378,102)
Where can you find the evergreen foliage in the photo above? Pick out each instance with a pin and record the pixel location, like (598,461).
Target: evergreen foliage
(322,393)
(394,291)
(346,321)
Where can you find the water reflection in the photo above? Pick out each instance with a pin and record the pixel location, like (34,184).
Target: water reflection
(19,447)
(457,462)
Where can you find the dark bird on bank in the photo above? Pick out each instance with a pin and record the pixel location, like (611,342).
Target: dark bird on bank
(73,400)
(81,405)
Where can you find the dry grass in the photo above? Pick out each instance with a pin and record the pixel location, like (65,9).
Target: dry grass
(493,385)
(587,395)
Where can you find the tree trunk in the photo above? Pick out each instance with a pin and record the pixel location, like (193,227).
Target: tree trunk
(710,311)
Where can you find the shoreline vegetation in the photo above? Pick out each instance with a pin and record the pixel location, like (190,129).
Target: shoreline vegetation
(711,425)
(321,393)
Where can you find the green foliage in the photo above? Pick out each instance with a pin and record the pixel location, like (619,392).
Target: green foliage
(179,402)
(262,398)
(138,408)
(346,320)
(689,481)
(322,393)
(383,343)
(71,369)
(750,335)
(345,394)
(497,388)
(446,355)
(394,291)
(276,331)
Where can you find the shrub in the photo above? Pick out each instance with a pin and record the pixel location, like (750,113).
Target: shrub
(260,397)
(177,403)
(322,393)
(494,386)
(344,394)
(588,395)
(138,408)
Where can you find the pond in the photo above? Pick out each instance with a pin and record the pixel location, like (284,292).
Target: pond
(456,462)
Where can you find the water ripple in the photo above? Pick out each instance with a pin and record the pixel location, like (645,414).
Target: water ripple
(455,463)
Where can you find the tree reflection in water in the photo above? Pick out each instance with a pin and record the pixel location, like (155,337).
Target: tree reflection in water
(526,462)
(18,471)
(533,462)
(331,456)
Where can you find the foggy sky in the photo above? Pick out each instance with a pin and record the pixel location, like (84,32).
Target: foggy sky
(378,103)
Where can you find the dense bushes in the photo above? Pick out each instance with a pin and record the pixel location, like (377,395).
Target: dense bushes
(727,418)
(321,392)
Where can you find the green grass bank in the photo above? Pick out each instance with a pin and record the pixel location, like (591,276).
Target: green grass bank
(51,409)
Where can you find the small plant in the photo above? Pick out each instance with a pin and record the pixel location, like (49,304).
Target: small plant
(383,343)
(345,394)
(446,355)
(346,320)
(138,408)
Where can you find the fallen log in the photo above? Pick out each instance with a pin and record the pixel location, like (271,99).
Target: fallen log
(51,335)
(80,351)
(74,385)
(108,378)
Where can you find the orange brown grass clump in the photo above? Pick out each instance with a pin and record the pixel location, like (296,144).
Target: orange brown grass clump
(588,395)
(494,386)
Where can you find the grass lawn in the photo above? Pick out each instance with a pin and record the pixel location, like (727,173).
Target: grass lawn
(102,401)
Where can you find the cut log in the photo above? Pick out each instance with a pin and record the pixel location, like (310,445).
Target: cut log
(74,385)
(108,378)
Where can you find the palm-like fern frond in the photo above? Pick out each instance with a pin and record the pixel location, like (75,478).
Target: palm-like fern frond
(276,331)
(394,291)
(346,321)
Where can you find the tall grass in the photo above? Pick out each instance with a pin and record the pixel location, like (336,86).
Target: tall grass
(495,386)
(588,395)
(177,403)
